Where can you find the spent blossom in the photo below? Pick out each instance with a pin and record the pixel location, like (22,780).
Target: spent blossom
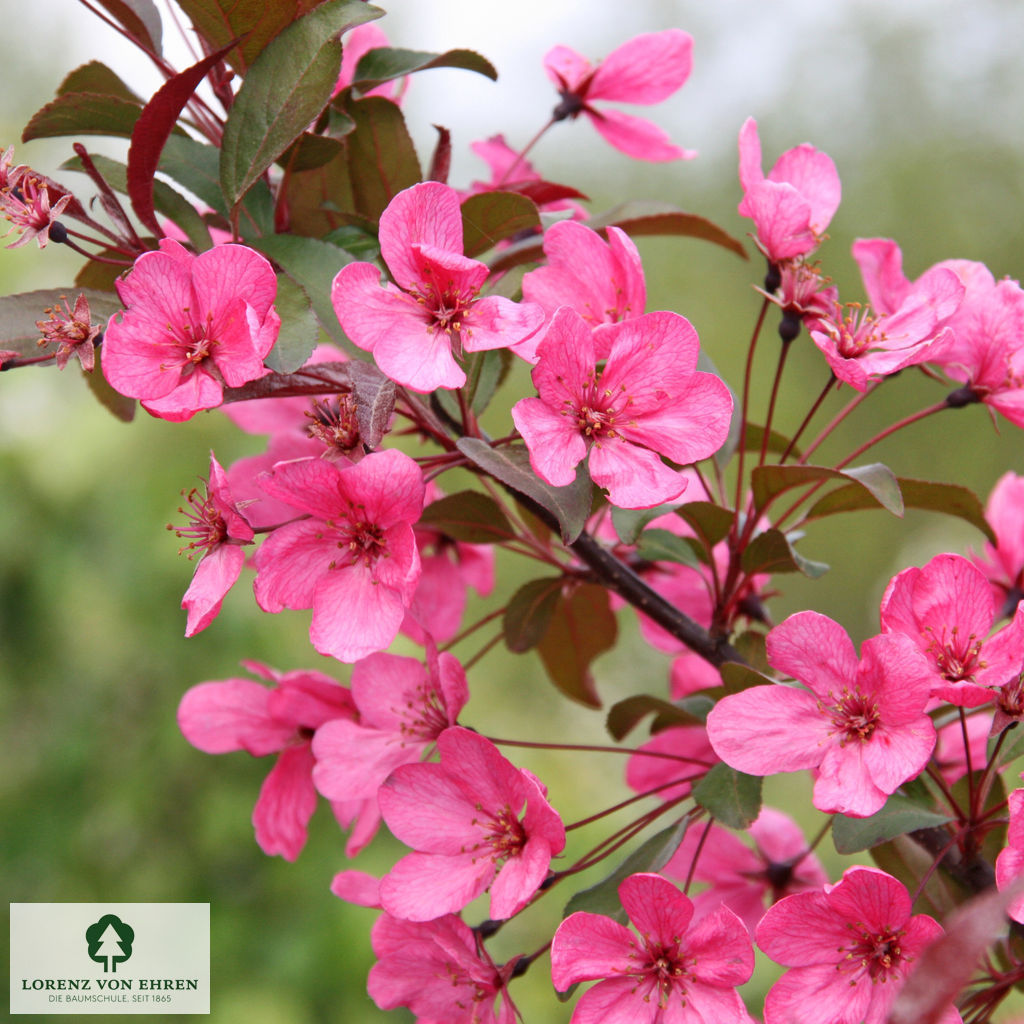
(25,202)
(192,325)
(474,822)
(860,725)
(418,326)
(646,69)
(352,558)
(72,331)
(646,400)
(849,947)
(674,970)
(216,530)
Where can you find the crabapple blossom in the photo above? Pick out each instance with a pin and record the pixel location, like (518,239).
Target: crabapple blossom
(674,971)
(946,608)
(239,714)
(1010,862)
(647,400)
(861,725)
(193,325)
(646,69)
(417,326)
(353,558)
(793,205)
(602,280)
(25,202)
(849,947)
(474,821)
(403,706)
(439,971)
(1003,562)
(73,332)
(218,529)
(741,878)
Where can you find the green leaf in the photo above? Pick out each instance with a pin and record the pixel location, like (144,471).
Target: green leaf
(653,855)
(313,265)
(736,677)
(510,464)
(19,313)
(630,522)
(950,499)
(254,23)
(491,217)
(468,516)
(582,627)
(287,87)
(709,521)
(878,480)
(299,329)
(624,716)
(170,203)
(382,160)
(898,817)
(732,797)
(663,546)
(649,217)
(529,613)
(1012,746)
(316,198)
(83,113)
(385,64)
(776,442)
(96,77)
(196,166)
(771,552)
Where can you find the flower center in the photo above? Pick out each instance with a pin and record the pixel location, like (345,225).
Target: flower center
(955,657)
(206,526)
(423,717)
(504,834)
(198,341)
(333,422)
(446,304)
(856,330)
(878,953)
(854,716)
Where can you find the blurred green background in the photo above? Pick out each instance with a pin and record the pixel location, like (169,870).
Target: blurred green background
(102,799)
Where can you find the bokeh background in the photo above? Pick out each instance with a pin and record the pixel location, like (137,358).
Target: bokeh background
(918,103)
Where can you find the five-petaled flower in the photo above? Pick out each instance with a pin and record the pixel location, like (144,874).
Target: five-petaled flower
(647,69)
(861,725)
(417,326)
(352,558)
(671,972)
(193,325)
(627,393)
(474,821)
(850,948)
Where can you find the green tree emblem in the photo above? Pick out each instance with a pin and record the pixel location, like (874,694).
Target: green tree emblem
(110,942)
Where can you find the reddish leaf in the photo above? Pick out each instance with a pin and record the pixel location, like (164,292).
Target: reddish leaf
(491,217)
(468,516)
(96,77)
(155,124)
(529,613)
(441,161)
(83,113)
(542,192)
(140,19)
(627,714)
(582,627)
(642,217)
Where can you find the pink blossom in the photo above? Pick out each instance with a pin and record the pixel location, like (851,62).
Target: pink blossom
(603,281)
(403,707)
(1003,562)
(193,325)
(238,714)
(462,819)
(218,529)
(744,879)
(681,755)
(647,69)
(861,725)
(850,948)
(793,205)
(912,320)
(1010,862)
(440,971)
(417,326)
(646,401)
(353,559)
(946,608)
(674,971)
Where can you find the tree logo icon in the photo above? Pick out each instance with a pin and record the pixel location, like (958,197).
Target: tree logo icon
(110,942)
